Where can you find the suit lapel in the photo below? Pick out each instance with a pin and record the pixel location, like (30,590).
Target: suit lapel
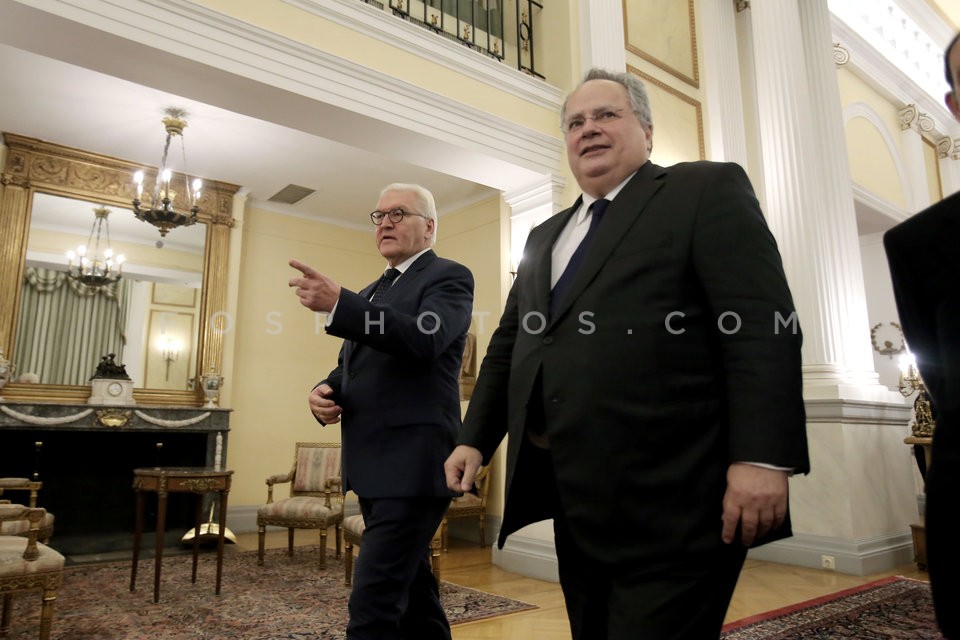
(621,214)
(399,286)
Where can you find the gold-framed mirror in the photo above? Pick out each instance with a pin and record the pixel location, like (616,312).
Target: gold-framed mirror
(42,174)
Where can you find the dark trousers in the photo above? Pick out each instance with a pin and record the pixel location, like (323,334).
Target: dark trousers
(681,600)
(943,555)
(395,596)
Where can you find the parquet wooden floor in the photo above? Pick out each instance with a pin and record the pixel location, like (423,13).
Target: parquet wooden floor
(763,586)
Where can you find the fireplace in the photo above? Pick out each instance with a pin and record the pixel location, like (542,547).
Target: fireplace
(87,467)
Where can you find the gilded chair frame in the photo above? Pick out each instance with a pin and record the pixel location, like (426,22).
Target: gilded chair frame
(45,527)
(461,509)
(28,578)
(332,497)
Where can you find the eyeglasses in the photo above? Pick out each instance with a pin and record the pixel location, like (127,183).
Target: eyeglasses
(600,116)
(395,215)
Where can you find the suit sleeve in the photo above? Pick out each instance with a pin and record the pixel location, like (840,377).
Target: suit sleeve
(739,266)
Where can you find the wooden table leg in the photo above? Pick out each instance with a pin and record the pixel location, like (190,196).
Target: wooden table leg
(196,535)
(137,534)
(161,528)
(220,534)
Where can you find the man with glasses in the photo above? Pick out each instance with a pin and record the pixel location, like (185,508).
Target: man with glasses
(923,266)
(396,389)
(647,371)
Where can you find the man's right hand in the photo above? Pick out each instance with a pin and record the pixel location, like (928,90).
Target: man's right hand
(322,406)
(461,468)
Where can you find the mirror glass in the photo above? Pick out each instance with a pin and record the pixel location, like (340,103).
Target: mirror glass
(150,318)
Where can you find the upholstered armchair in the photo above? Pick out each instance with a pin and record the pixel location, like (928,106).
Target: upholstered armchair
(19,527)
(471,505)
(315,502)
(353,527)
(28,565)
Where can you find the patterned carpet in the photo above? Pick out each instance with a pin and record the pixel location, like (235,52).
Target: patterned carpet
(286,599)
(889,609)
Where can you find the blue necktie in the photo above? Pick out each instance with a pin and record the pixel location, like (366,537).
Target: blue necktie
(559,289)
(386,281)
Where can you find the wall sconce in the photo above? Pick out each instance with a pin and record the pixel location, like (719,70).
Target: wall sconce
(910,383)
(170,351)
(887,349)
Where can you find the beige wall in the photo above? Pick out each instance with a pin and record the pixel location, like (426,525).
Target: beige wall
(932,169)
(281,348)
(871,156)
(472,236)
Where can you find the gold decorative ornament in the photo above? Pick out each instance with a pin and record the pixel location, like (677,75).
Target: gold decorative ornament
(114,417)
(910,383)
(200,484)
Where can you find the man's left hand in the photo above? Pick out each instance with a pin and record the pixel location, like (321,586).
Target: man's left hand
(756,499)
(316,291)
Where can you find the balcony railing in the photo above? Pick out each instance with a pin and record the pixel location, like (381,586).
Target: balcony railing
(487,26)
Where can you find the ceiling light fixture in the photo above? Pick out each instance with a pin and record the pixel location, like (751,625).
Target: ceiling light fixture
(160,211)
(95,269)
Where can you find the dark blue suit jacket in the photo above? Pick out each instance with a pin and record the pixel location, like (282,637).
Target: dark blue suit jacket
(397,379)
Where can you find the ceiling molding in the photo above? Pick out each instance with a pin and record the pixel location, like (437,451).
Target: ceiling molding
(883,76)
(423,125)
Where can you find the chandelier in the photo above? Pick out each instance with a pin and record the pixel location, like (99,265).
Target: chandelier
(160,211)
(93,268)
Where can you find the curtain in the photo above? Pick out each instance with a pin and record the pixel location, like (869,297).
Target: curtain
(65,327)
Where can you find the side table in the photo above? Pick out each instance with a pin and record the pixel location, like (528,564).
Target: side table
(162,481)
(918,530)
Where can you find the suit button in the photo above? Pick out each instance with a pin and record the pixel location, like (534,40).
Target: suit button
(548,340)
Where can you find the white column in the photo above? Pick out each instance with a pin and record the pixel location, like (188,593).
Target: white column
(601,35)
(808,194)
(721,72)
(912,126)
(529,207)
(856,504)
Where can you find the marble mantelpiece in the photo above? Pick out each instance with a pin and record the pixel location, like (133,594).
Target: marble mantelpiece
(87,458)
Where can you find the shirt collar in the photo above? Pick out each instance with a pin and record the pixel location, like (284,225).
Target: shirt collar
(589,200)
(403,266)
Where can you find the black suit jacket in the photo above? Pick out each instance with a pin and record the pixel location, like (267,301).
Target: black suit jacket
(397,379)
(922,252)
(645,400)
(923,267)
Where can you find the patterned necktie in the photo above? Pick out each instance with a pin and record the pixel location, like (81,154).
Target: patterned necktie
(386,281)
(596,213)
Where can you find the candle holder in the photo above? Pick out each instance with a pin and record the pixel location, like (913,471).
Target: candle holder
(211,383)
(6,371)
(910,383)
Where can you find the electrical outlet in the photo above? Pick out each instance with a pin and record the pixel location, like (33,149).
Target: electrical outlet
(828,562)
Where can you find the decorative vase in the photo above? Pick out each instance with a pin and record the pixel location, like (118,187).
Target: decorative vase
(211,388)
